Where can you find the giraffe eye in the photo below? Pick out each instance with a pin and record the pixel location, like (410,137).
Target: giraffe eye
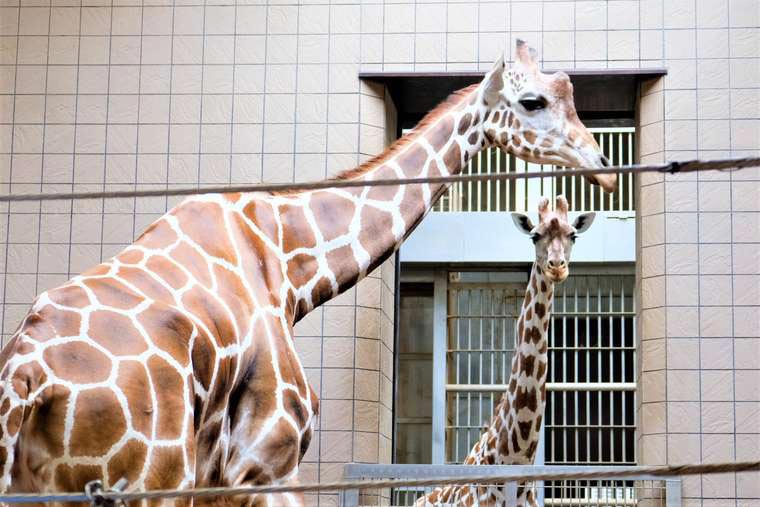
(535,237)
(533,103)
(572,237)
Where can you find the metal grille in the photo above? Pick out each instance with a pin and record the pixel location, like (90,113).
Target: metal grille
(596,493)
(590,410)
(590,413)
(639,490)
(481,341)
(616,143)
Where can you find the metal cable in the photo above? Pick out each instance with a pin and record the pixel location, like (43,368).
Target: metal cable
(614,472)
(670,167)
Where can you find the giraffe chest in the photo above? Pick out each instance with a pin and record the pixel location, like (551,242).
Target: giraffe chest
(266,426)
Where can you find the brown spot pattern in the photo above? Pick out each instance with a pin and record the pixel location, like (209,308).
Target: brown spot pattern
(453,157)
(98,422)
(464,123)
(78,362)
(132,379)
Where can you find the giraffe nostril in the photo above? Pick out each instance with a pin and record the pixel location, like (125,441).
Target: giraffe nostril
(605,161)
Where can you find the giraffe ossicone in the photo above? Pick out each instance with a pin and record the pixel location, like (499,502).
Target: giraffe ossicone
(513,433)
(173,363)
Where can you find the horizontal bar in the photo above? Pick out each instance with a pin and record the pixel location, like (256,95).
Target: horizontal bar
(381,471)
(590,501)
(550,386)
(590,315)
(643,72)
(612,130)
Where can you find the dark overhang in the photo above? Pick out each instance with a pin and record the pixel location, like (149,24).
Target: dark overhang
(599,93)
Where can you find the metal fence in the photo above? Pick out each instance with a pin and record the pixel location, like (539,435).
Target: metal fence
(641,490)
(618,144)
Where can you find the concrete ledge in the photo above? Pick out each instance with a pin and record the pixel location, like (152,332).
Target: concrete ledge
(491,237)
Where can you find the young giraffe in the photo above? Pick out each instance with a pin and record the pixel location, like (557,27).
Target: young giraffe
(173,365)
(512,437)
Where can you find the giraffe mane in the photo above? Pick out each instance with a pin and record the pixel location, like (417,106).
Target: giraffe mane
(450,102)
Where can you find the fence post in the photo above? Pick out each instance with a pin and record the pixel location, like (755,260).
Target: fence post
(510,494)
(351,498)
(673,493)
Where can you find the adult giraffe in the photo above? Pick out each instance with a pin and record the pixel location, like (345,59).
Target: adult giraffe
(512,436)
(172,364)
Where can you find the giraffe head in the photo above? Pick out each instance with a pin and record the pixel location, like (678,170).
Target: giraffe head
(554,236)
(532,115)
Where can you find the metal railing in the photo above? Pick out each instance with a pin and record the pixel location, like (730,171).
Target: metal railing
(618,144)
(639,490)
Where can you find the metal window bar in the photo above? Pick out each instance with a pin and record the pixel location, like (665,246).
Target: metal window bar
(640,490)
(590,413)
(618,144)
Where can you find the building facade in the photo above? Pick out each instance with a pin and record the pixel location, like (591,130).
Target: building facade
(124,94)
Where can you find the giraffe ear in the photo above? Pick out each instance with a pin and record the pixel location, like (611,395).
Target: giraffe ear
(583,222)
(494,81)
(523,223)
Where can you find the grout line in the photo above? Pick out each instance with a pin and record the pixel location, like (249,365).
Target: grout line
(10,173)
(731,253)
(202,94)
(265,66)
(42,155)
(699,279)
(293,176)
(137,142)
(105,140)
(171,103)
(232,122)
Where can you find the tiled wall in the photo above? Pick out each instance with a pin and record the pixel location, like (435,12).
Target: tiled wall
(699,246)
(159,93)
(122,94)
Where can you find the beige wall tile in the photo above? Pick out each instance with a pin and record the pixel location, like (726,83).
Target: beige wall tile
(652,230)
(683,354)
(712,43)
(682,290)
(653,418)
(653,355)
(717,417)
(717,385)
(712,14)
(590,45)
(747,417)
(715,321)
(653,449)
(653,292)
(683,385)
(715,259)
(716,353)
(718,486)
(681,259)
(682,321)
(652,323)
(680,104)
(747,385)
(652,385)
(683,448)
(747,353)
(683,417)
(715,290)
(682,227)
(651,111)
(747,486)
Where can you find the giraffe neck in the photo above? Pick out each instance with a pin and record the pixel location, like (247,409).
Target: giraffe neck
(350,232)
(512,437)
